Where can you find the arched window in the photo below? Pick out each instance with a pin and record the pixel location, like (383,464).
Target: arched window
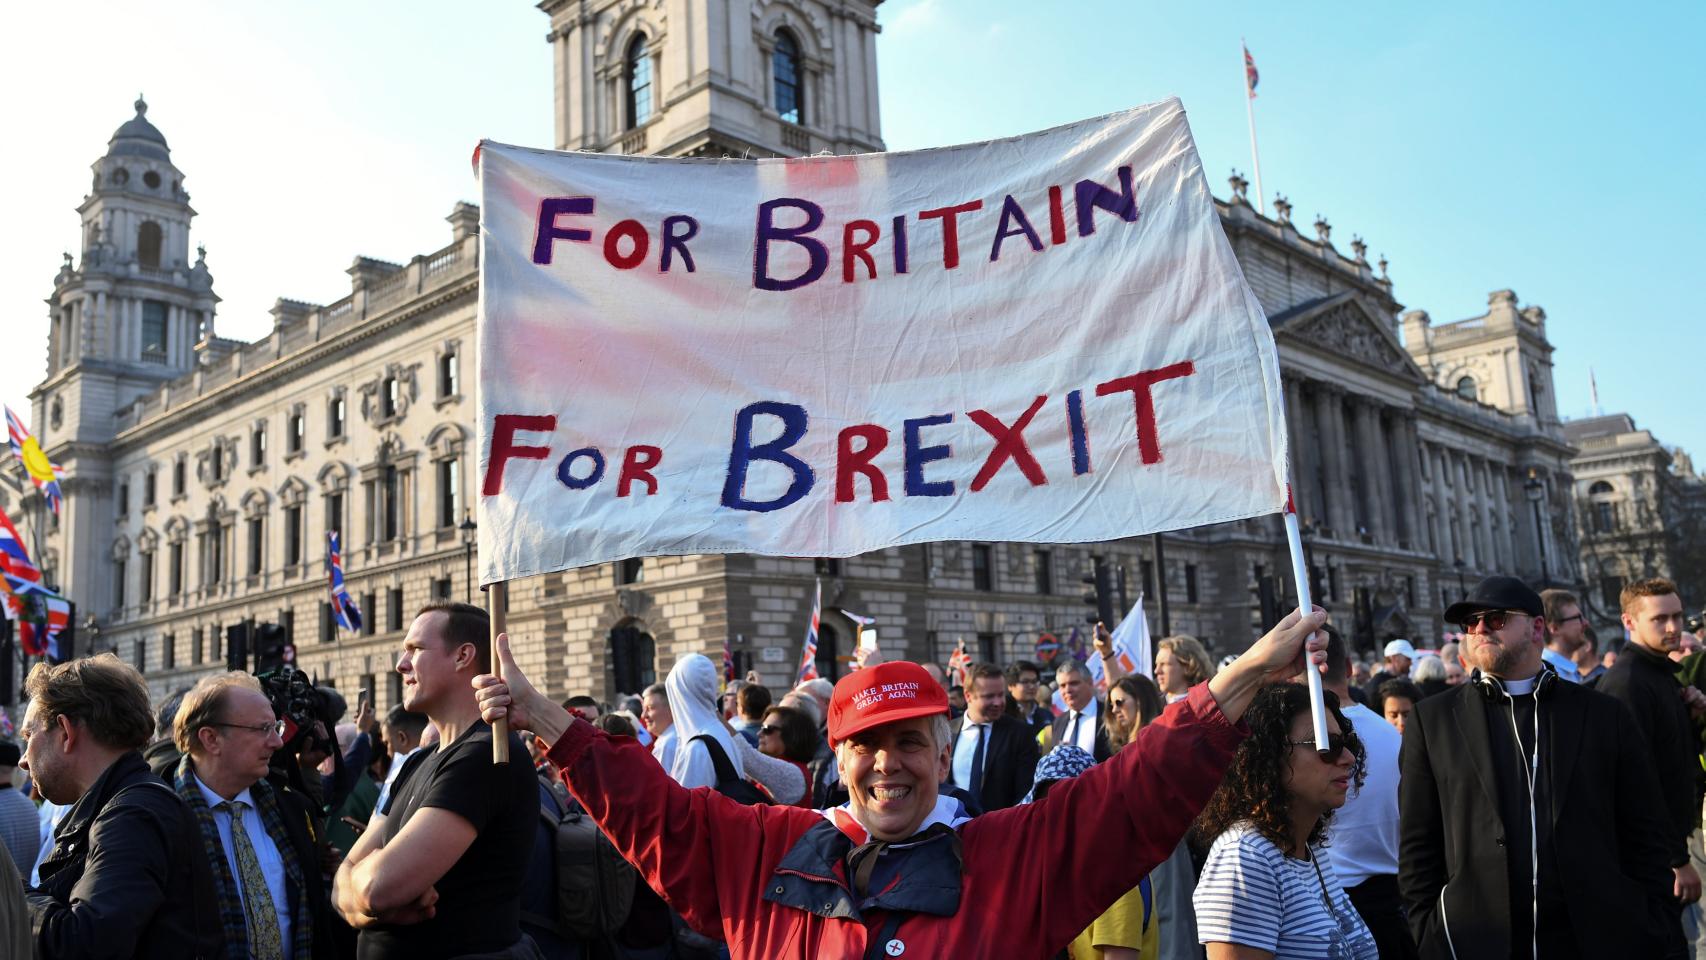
(1600,487)
(1466,388)
(785,64)
(638,71)
(148,244)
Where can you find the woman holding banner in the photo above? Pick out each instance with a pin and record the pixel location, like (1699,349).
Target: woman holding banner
(895,871)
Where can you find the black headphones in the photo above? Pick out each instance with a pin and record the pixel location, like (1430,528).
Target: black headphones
(1494,690)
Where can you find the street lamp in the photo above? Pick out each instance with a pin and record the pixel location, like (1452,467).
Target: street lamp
(468,529)
(1535,490)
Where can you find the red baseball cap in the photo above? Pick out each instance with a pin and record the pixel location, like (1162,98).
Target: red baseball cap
(896,690)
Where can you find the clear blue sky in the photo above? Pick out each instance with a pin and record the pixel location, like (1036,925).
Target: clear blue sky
(1546,148)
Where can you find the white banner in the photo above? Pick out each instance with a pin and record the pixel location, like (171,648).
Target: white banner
(1041,339)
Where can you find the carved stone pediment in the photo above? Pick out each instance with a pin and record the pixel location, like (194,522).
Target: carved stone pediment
(1342,326)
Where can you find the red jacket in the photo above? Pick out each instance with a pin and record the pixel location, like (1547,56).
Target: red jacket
(771,881)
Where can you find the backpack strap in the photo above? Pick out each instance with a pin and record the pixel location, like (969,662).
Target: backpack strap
(720,760)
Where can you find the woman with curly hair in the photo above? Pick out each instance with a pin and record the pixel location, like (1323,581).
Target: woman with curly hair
(1180,664)
(1267,890)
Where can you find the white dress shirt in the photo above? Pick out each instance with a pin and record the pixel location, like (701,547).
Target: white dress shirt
(1086,739)
(663,748)
(391,778)
(266,853)
(965,747)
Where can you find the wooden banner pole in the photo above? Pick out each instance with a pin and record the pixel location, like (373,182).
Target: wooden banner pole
(496,595)
(1300,572)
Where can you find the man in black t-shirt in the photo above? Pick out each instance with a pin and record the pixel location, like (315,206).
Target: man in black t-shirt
(442,876)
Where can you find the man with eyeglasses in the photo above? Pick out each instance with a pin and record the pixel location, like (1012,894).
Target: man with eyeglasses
(1530,816)
(257,832)
(127,876)
(1564,627)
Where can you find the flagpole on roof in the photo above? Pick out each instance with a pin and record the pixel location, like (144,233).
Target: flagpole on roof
(1250,112)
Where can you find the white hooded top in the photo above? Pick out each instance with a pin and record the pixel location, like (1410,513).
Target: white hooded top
(692,689)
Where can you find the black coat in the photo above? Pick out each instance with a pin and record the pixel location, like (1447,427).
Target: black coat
(1103,750)
(1606,819)
(1646,683)
(127,868)
(1009,762)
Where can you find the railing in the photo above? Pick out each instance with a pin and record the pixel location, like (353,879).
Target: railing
(796,139)
(634,142)
(154,356)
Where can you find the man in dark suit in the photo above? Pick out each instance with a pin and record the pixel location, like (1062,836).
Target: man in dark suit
(1514,767)
(1081,724)
(994,755)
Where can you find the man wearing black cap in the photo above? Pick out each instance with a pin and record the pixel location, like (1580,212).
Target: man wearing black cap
(1530,818)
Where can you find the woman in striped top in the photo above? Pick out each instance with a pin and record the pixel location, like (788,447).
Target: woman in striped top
(1267,890)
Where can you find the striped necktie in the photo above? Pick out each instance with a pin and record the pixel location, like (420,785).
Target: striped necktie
(258,913)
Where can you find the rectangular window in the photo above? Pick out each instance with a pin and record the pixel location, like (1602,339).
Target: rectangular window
(394,603)
(179,475)
(335,513)
(388,395)
(168,652)
(118,583)
(370,613)
(449,375)
(154,331)
(296,435)
(287,620)
(175,568)
(1190,583)
(982,567)
(197,653)
(1147,572)
(139,657)
(388,495)
(145,585)
(213,645)
(828,566)
(1611,592)
(216,554)
(258,445)
(123,497)
(449,492)
(370,686)
(394,687)
(441,589)
(630,571)
(1044,561)
(335,417)
(328,623)
(257,546)
(217,461)
(292,535)
(986,648)
(148,486)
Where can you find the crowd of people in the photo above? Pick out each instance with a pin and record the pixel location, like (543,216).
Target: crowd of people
(1504,796)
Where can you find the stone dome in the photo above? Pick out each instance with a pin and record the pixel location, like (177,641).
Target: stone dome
(137,137)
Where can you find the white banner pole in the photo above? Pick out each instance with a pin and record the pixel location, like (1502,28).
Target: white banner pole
(1300,573)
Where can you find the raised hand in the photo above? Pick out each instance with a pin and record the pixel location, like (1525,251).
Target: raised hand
(514,697)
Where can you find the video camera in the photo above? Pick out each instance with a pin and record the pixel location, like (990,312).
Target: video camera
(309,712)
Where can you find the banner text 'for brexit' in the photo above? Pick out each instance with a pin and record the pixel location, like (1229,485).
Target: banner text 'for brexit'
(1039,339)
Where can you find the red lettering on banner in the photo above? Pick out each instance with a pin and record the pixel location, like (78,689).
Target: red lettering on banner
(860,249)
(1148,443)
(950,229)
(1056,218)
(1009,444)
(504,448)
(637,466)
(849,461)
(636,234)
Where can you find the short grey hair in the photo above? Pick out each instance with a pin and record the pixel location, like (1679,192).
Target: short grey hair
(656,688)
(804,703)
(1429,667)
(1070,667)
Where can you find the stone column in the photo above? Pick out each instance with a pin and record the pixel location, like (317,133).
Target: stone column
(1366,458)
(1303,453)
(1386,481)
(1335,491)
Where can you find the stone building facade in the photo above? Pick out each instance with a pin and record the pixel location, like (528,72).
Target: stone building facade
(1642,511)
(204,473)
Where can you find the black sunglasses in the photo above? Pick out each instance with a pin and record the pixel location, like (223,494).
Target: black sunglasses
(769,728)
(1491,619)
(1335,747)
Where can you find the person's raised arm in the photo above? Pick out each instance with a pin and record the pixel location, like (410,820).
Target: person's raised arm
(1277,657)
(1105,646)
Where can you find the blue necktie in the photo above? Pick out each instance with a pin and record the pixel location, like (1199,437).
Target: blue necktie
(976,785)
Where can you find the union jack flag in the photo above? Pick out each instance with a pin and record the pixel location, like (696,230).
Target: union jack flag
(808,653)
(39,629)
(959,662)
(344,608)
(1250,75)
(44,472)
(21,576)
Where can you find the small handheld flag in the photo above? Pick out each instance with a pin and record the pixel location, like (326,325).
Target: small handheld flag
(41,619)
(959,662)
(808,652)
(343,607)
(44,472)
